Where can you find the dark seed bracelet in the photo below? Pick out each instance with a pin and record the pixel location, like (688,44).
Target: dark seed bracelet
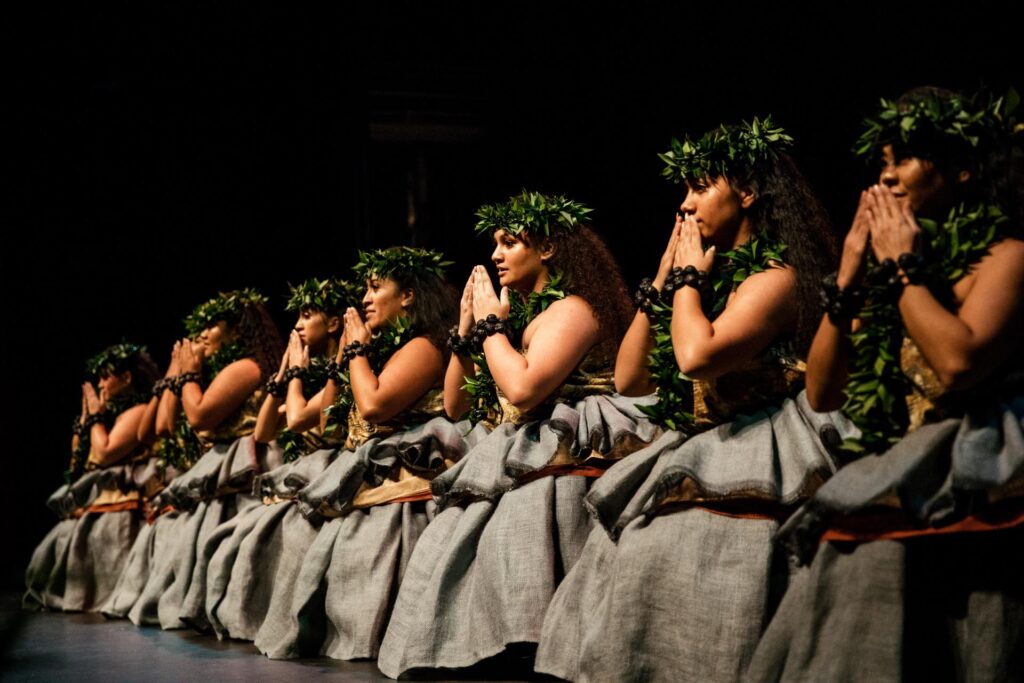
(181,380)
(354,349)
(90,420)
(913,267)
(485,327)
(841,304)
(459,345)
(161,385)
(646,296)
(685,277)
(275,388)
(333,371)
(295,372)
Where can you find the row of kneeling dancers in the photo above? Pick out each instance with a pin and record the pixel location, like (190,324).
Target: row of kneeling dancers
(761,467)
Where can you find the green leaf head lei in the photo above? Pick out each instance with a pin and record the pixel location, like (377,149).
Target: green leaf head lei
(114,359)
(385,262)
(928,120)
(226,306)
(724,151)
(534,214)
(330,295)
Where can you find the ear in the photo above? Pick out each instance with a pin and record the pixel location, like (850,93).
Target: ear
(747,197)
(125,377)
(333,324)
(407,296)
(546,249)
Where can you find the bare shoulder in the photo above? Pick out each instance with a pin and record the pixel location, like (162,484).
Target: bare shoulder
(241,369)
(133,413)
(572,307)
(1009,250)
(417,349)
(773,281)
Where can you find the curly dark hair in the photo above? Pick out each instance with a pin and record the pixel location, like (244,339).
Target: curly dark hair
(592,274)
(258,334)
(997,173)
(786,206)
(434,308)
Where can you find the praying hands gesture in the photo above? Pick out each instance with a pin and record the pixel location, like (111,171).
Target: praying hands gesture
(668,258)
(485,302)
(355,329)
(894,230)
(689,250)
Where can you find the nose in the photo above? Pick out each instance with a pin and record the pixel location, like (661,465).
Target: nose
(496,255)
(367,300)
(888,175)
(689,205)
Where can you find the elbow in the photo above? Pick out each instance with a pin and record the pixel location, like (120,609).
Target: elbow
(695,365)
(957,374)
(523,397)
(201,422)
(375,413)
(633,385)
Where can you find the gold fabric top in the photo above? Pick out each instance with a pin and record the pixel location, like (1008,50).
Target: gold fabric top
(926,387)
(429,406)
(240,423)
(594,376)
(765,380)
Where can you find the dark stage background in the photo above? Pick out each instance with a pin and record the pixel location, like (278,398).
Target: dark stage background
(167,151)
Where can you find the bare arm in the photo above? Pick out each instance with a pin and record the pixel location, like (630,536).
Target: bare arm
(410,373)
(147,423)
(632,377)
(456,398)
(228,390)
(756,313)
(557,340)
(965,346)
(107,448)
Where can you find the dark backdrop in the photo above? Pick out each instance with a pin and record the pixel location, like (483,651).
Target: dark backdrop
(167,151)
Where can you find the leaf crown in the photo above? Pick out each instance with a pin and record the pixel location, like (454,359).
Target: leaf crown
(330,295)
(724,151)
(386,262)
(114,359)
(532,213)
(227,306)
(929,119)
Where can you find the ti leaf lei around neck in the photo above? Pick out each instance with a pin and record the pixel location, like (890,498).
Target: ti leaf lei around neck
(111,410)
(483,392)
(383,345)
(877,385)
(675,390)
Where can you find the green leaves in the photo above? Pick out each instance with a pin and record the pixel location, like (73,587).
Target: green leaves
(877,387)
(532,213)
(330,296)
(226,306)
(385,262)
(674,408)
(483,392)
(114,359)
(931,119)
(724,150)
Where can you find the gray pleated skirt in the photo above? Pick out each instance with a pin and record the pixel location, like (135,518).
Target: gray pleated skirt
(682,592)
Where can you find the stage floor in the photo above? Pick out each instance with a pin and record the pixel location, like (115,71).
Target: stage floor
(45,647)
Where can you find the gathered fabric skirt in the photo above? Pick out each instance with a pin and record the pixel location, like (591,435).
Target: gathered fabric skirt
(913,561)
(76,566)
(511,526)
(680,575)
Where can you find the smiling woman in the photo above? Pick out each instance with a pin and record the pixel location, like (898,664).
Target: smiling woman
(920,346)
